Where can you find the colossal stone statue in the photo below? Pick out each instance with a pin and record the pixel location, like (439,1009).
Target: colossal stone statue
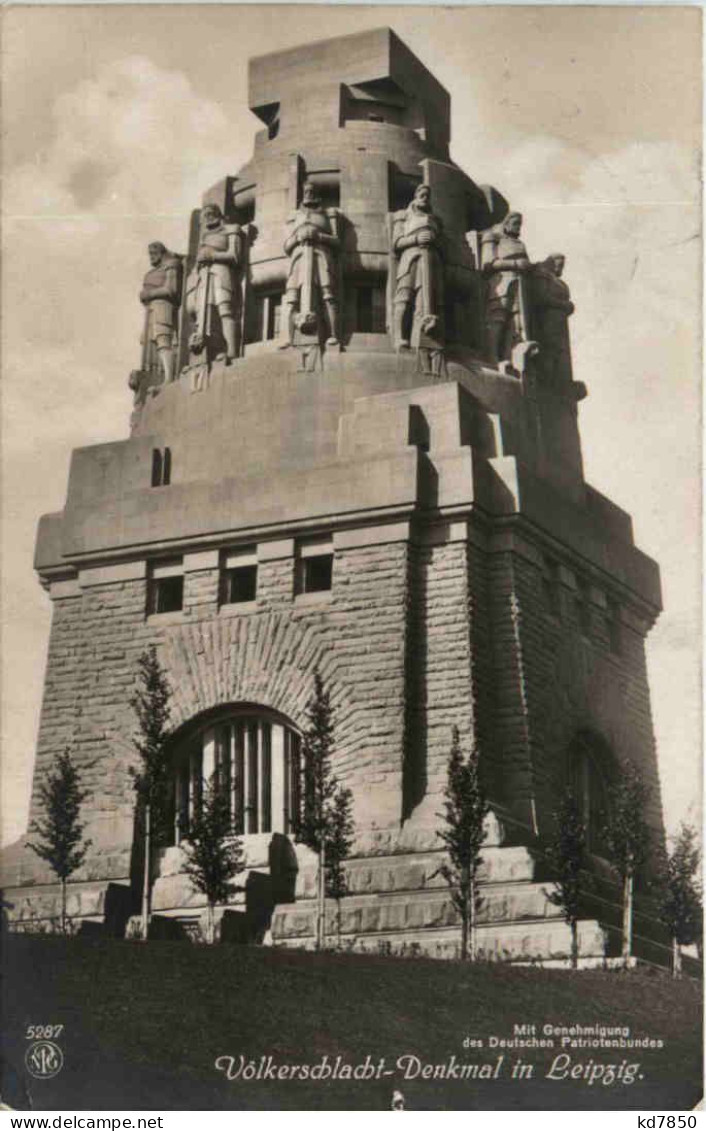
(215,282)
(312,244)
(505,264)
(419,279)
(160,295)
(551,308)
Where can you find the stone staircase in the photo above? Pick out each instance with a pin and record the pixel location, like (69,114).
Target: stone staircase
(401,904)
(398,902)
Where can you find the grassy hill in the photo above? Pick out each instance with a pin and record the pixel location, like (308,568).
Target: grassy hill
(145,1023)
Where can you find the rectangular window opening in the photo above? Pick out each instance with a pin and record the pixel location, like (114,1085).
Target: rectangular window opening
(370,315)
(165,588)
(318,573)
(239,585)
(267,320)
(314,565)
(156,467)
(364,319)
(274,317)
(161,467)
(238,578)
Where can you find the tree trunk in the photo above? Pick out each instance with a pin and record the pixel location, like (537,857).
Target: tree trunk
(472,948)
(63,905)
(676,958)
(628,882)
(321,899)
(574,944)
(146,876)
(465,912)
(210,925)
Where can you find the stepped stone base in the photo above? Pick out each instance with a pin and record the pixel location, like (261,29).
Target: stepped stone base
(104,905)
(506,942)
(401,904)
(398,903)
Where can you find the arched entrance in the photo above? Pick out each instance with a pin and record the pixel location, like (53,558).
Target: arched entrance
(255,754)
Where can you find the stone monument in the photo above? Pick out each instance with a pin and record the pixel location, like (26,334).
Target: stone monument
(420,534)
(419,276)
(160,296)
(506,265)
(552,307)
(213,285)
(312,244)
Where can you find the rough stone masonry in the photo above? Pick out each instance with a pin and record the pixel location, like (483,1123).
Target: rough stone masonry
(353,448)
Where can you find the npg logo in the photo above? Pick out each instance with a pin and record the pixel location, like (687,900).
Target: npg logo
(44,1059)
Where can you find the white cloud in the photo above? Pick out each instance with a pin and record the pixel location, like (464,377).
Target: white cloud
(135,140)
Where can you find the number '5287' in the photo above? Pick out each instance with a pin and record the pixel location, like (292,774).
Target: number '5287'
(43,1032)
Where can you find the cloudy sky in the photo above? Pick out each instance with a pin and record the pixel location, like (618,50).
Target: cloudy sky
(587,119)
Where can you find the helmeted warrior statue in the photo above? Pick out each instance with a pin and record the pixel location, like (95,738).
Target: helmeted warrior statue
(416,242)
(551,308)
(160,295)
(312,244)
(214,282)
(505,263)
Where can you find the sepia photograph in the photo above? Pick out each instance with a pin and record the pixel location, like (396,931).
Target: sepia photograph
(351,558)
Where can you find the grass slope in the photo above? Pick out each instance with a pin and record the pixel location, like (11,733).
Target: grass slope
(144,1024)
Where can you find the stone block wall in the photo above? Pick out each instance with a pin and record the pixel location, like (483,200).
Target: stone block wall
(451,626)
(563,670)
(264,653)
(439,670)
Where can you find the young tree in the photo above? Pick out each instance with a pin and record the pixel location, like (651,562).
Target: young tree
(151,705)
(338,845)
(464,814)
(61,841)
(214,853)
(567,854)
(325,824)
(680,894)
(627,837)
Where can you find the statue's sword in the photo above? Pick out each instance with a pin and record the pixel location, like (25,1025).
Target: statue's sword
(308,282)
(427,304)
(206,319)
(523,307)
(146,339)
(202,316)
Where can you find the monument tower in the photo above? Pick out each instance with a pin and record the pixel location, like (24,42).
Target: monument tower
(354,449)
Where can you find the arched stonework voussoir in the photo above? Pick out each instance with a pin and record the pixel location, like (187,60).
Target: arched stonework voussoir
(213,716)
(268,660)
